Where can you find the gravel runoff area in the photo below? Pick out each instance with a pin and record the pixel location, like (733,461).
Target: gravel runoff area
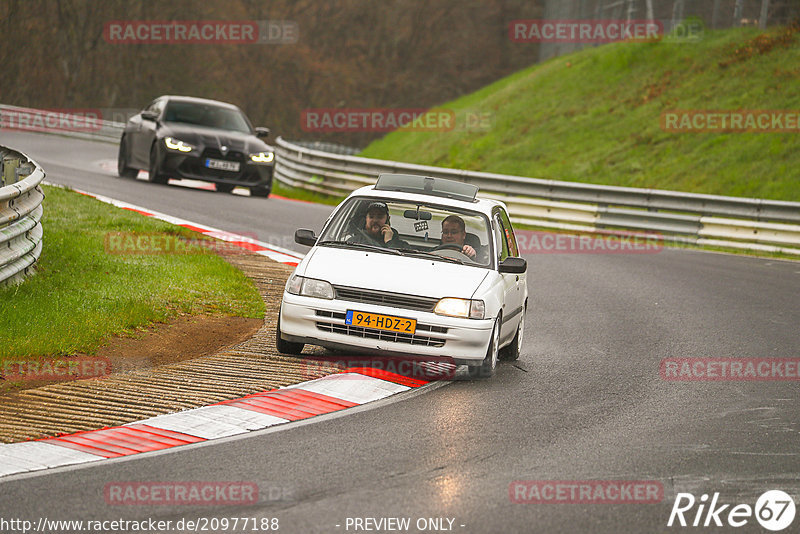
(249,367)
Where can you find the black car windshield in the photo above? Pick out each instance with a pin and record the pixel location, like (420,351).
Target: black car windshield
(414,229)
(207,115)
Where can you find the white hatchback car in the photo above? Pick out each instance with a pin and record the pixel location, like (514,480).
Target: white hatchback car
(410,266)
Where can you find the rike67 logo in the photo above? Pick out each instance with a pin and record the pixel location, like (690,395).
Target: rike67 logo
(774,510)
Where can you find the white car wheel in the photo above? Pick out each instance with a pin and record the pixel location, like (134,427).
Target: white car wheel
(512,352)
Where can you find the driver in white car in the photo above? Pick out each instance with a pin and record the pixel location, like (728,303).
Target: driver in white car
(376,230)
(454,232)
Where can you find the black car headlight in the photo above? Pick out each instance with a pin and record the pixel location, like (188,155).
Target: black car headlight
(262,157)
(176,144)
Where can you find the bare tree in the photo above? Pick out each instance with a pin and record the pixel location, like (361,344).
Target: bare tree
(762,20)
(677,12)
(715,14)
(737,13)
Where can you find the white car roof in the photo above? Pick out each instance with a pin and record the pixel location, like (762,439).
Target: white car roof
(482,205)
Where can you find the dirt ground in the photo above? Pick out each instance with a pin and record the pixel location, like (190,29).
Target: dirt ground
(184,338)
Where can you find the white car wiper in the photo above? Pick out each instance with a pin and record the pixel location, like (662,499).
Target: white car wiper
(363,246)
(414,252)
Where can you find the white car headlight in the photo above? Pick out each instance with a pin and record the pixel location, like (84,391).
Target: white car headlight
(453,307)
(177,144)
(262,157)
(294,284)
(309,287)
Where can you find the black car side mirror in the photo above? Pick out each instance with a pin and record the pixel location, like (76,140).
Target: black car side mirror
(262,132)
(305,237)
(513,266)
(149,115)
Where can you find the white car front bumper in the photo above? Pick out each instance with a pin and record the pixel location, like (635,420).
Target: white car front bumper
(321,322)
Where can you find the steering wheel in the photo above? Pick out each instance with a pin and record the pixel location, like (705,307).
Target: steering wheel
(448,246)
(450,250)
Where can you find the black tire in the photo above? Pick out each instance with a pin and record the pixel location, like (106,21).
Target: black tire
(224,188)
(489,364)
(511,352)
(154,170)
(283,346)
(122,162)
(262,191)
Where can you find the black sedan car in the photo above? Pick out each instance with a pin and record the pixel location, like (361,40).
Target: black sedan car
(197,139)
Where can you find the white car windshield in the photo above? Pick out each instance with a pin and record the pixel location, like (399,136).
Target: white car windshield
(414,228)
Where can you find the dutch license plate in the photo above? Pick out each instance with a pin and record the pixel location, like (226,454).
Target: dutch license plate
(222,165)
(381,322)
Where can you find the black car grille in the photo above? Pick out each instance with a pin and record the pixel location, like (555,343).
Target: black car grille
(235,145)
(229,156)
(343,316)
(382,298)
(197,167)
(382,335)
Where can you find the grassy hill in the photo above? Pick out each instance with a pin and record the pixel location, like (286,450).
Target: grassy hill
(595,116)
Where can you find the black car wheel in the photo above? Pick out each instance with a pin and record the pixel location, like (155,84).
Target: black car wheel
(122,162)
(283,346)
(224,188)
(511,353)
(155,169)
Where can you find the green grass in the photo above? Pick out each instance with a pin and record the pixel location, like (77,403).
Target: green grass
(594,116)
(81,295)
(282,190)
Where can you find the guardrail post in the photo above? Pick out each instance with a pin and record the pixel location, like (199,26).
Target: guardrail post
(10,170)
(23,170)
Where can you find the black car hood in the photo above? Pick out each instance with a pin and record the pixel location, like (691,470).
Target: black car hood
(203,137)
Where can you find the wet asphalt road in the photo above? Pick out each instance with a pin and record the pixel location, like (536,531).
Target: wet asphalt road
(584,402)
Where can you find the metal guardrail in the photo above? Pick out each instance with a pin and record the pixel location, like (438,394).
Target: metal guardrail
(20,215)
(325,146)
(58,122)
(746,223)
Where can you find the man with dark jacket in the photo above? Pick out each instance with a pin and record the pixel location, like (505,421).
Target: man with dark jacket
(376,229)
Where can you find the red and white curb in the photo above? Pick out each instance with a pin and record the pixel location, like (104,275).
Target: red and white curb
(353,387)
(273,252)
